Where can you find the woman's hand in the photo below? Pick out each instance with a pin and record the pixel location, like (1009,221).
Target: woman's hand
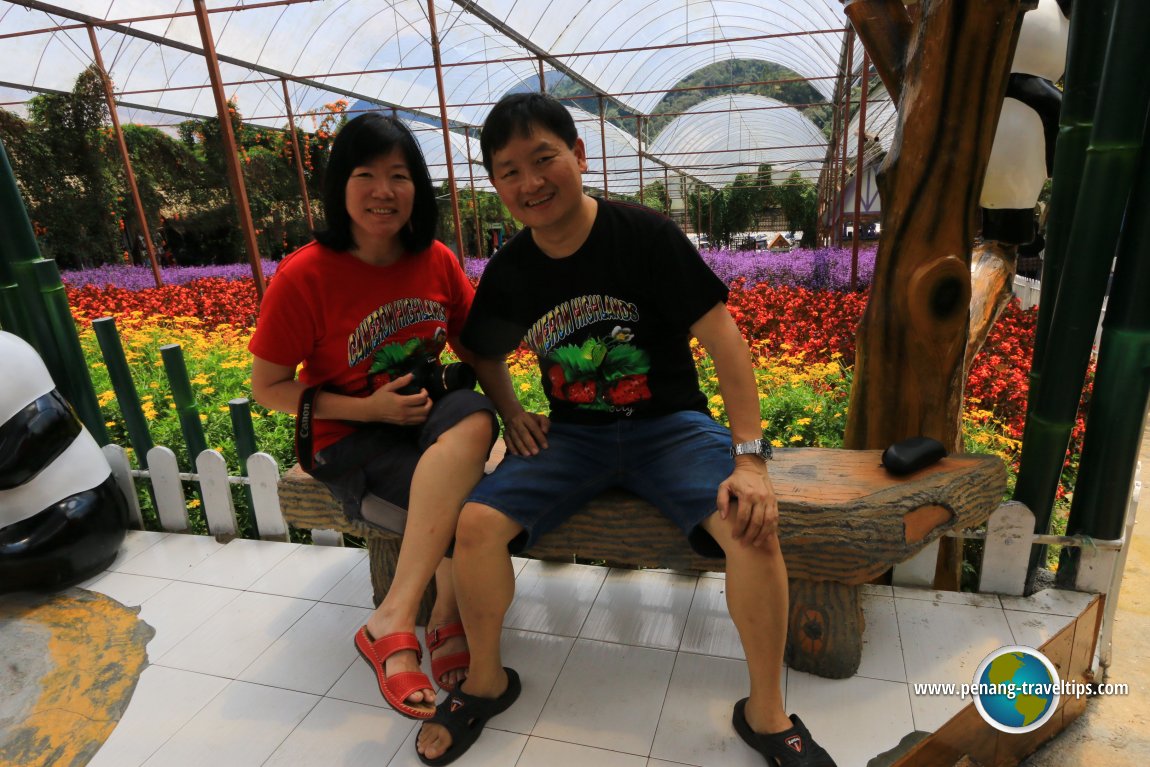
(387,406)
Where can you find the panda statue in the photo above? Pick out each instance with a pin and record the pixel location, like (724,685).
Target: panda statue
(1022,157)
(62,516)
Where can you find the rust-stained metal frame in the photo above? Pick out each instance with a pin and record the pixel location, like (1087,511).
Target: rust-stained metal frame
(231,155)
(122,146)
(697,173)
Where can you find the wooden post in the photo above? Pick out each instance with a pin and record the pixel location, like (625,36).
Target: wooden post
(912,336)
(884,27)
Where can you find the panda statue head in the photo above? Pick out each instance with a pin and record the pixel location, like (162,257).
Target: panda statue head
(62,515)
(1022,157)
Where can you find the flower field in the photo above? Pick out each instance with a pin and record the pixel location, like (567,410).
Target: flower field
(799,320)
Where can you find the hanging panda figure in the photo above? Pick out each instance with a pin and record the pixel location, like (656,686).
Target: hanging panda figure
(62,516)
(1022,157)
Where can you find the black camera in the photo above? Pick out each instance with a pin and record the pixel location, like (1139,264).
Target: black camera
(437,379)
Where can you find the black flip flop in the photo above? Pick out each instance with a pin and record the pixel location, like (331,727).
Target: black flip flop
(464,716)
(790,748)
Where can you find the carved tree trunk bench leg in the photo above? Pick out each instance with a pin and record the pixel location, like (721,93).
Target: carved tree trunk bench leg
(383,554)
(824,632)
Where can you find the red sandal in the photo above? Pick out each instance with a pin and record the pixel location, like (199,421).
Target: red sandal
(398,687)
(448,663)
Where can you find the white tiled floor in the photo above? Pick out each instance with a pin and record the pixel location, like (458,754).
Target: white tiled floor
(252,664)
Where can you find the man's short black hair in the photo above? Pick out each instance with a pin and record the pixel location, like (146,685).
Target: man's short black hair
(517,114)
(357,143)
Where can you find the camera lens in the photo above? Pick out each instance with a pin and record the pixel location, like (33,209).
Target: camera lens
(457,375)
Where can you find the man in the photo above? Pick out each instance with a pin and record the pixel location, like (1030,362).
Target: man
(608,295)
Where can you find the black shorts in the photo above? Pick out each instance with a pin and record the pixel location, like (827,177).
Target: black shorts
(379,459)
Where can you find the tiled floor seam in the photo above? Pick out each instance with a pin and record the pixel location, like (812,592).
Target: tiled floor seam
(902,652)
(318,699)
(197,712)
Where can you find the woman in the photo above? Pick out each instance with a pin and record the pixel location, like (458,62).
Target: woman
(358,308)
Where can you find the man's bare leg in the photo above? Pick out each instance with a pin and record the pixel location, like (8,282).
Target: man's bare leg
(757,599)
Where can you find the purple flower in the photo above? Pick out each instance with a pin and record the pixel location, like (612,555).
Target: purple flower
(818,269)
(140,277)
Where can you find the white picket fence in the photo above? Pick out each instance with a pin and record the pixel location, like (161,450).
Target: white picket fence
(1028,292)
(167,482)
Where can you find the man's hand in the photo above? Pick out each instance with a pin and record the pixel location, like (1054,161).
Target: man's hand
(385,405)
(526,433)
(747,498)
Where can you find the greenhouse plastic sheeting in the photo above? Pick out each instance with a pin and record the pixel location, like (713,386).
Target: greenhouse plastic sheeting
(380,52)
(704,139)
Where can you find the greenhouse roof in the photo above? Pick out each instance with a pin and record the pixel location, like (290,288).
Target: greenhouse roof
(379,51)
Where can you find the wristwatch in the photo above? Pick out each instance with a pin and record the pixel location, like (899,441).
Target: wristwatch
(759,447)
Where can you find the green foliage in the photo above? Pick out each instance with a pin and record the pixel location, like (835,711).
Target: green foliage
(70,173)
(492,214)
(65,165)
(799,201)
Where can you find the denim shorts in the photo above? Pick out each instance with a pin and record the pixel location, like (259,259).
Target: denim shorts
(379,459)
(675,462)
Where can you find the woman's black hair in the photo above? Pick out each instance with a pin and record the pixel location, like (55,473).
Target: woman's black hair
(357,143)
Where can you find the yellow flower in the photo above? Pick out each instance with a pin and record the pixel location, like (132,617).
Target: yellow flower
(524,387)
(796,438)
(776,443)
(203,417)
(716,398)
(109,423)
(154,385)
(194,503)
(764,423)
(208,390)
(803,421)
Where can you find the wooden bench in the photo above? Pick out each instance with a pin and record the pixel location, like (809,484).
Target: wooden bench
(844,522)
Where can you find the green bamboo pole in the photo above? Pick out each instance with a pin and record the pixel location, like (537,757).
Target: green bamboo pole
(185,400)
(21,306)
(1121,389)
(76,382)
(245,434)
(126,396)
(14,233)
(1085,57)
(1107,178)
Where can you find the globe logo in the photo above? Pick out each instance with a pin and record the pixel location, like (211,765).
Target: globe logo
(1016,689)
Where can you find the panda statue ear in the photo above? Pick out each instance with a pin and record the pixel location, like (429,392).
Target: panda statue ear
(62,515)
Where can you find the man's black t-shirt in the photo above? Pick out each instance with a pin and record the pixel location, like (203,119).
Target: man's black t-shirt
(609,324)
